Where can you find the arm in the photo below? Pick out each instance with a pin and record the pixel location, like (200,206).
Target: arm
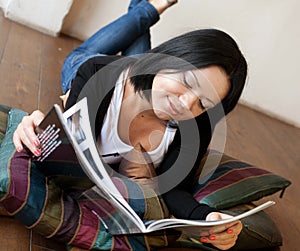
(180,200)
(25,134)
(111,67)
(182,204)
(84,73)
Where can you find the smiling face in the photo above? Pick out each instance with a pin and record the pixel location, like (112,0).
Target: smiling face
(185,95)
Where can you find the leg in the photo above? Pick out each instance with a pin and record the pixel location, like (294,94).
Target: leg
(111,39)
(128,34)
(121,33)
(133,3)
(142,43)
(139,46)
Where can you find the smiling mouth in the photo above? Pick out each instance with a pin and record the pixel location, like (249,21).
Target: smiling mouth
(172,107)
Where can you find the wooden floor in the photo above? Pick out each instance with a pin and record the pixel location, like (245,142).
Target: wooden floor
(30,64)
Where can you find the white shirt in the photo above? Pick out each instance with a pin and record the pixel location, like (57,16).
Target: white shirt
(113,148)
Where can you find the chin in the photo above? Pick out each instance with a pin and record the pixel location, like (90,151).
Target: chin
(163,116)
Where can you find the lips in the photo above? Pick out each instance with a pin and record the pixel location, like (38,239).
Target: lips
(173,109)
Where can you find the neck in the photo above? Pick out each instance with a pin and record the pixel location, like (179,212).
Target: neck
(134,101)
(137,121)
(134,104)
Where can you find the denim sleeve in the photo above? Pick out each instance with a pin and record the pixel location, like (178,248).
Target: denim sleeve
(84,73)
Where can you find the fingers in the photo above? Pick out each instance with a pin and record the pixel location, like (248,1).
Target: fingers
(225,239)
(25,134)
(214,216)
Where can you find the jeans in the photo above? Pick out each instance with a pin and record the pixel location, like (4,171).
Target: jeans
(129,35)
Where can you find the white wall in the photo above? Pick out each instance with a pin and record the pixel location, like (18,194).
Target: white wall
(44,15)
(3,4)
(267,32)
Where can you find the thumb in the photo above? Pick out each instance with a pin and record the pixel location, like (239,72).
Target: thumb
(213,216)
(37,117)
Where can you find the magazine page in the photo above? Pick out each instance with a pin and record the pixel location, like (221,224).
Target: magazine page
(51,136)
(78,126)
(202,224)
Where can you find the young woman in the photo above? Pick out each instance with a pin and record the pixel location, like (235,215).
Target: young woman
(155,100)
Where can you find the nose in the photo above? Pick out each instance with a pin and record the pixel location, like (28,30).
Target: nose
(188,99)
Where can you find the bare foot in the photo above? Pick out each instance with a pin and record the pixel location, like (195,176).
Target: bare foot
(162,5)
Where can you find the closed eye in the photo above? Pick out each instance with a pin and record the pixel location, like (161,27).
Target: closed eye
(186,82)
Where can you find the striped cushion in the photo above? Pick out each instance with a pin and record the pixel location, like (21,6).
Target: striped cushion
(4,110)
(50,204)
(233,182)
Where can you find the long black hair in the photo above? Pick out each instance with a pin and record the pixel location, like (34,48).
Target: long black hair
(196,49)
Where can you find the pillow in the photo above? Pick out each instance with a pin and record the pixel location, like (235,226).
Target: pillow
(233,182)
(4,110)
(259,233)
(40,204)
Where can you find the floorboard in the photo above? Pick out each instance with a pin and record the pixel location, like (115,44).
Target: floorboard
(30,64)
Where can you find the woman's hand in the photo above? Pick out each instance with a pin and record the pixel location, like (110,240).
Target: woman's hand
(25,134)
(222,239)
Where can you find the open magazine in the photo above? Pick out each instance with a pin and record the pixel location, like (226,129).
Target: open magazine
(68,135)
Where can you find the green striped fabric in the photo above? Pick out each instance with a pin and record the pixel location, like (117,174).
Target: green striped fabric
(4,110)
(234,182)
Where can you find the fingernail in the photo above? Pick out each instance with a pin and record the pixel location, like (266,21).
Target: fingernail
(19,148)
(36,142)
(203,239)
(212,237)
(230,231)
(37,152)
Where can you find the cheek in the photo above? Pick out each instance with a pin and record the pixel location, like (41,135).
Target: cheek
(157,82)
(196,111)
(166,84)
(157,97)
